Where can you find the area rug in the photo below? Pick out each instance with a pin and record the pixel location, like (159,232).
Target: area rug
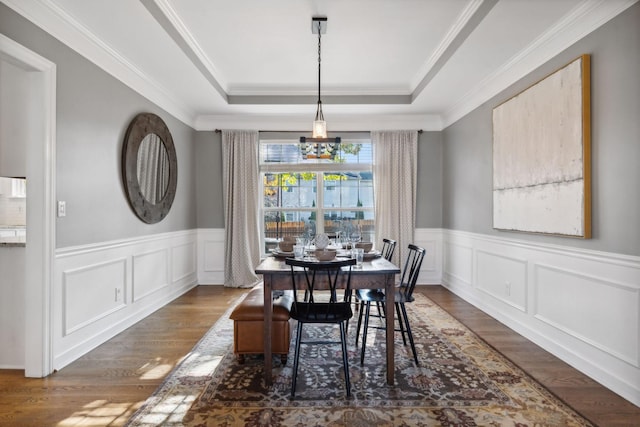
(461,381)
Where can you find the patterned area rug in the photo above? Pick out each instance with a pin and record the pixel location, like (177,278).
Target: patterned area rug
(461,381)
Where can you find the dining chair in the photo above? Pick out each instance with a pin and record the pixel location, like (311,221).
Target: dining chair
(388,248)
(403,295)
(310,276)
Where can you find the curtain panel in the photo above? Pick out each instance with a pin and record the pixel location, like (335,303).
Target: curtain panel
(394,180)
(241,182)
(153,168)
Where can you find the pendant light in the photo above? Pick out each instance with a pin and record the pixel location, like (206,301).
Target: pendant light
(319,125)
(320,145)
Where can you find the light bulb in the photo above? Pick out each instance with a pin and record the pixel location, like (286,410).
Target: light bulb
(319,129)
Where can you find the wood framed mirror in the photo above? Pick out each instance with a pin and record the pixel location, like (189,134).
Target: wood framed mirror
(149,167)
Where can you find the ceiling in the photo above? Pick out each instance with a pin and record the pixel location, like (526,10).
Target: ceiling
(253,63)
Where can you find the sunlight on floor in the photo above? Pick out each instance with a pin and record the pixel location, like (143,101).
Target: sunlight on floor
(206,365)
(171,410)
(100,413)
(156,372)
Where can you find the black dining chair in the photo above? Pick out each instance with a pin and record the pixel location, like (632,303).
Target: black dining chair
(403,295)
(310,276)
(388,248)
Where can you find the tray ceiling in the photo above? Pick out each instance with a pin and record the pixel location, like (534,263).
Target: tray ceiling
(253,63)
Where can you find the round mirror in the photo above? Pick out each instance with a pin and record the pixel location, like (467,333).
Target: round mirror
(150,167)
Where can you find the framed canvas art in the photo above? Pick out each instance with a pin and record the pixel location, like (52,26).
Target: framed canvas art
(542,157)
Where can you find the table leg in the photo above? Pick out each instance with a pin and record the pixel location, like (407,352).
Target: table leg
(268,316)
(390,299)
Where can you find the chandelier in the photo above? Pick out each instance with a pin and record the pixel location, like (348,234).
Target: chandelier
(319,146)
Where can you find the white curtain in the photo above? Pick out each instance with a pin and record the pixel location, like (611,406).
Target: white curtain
(394,180)
(241,187)
(153,168)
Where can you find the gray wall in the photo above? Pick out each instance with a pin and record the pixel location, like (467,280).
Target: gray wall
(93,112)
(429,188)
(615,88)
(209,180)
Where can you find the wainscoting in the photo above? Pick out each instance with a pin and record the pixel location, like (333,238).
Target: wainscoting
(211,256)
(582,306)
(431,240)
(102,289)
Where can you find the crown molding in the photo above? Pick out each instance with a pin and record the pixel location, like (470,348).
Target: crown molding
(468,20)
(326,100)
(583,20)
(55,21)
(169,20)
(338,122)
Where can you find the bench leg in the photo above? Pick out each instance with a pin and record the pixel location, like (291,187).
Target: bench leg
(241,359)
(283,359)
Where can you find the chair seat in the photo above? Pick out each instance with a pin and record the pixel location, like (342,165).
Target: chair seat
(321,312)
(376,295)
(370,295)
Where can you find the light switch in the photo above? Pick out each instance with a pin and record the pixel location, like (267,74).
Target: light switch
(62,208)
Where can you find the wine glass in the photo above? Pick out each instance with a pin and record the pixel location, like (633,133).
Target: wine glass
(347,229)
(309,234)
(355,237)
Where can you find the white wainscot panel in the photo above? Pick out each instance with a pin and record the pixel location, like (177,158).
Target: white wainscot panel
(458,262)
(502,277)
(149,273)
(184,261)
(600,312)
(431,241)
(92,292)
(211,256)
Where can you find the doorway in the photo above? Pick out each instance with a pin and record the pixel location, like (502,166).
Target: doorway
(40,100)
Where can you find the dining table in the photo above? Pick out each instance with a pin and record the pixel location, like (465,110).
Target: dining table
(374,273)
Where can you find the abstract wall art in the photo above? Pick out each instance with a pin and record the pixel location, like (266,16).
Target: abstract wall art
(542,157)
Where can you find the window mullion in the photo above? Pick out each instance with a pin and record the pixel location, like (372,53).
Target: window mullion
(319,203)
(318,168)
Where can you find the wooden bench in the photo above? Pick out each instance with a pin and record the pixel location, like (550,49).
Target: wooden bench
(248,325)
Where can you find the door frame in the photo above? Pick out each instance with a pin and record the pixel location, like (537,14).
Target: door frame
(41,232)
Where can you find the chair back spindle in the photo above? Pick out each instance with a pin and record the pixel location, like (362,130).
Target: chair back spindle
(388,248)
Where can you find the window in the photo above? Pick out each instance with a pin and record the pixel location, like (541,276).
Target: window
(315,195)
(18,187)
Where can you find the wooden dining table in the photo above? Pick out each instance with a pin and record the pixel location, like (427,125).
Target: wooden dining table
(377,273)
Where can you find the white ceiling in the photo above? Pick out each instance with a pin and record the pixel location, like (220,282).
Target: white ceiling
(253,63)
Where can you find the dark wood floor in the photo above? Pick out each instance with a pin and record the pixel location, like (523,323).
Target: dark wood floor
(107,385)
(600,405)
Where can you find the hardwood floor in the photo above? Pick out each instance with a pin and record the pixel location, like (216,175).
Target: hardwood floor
(593,401)
(104,387)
